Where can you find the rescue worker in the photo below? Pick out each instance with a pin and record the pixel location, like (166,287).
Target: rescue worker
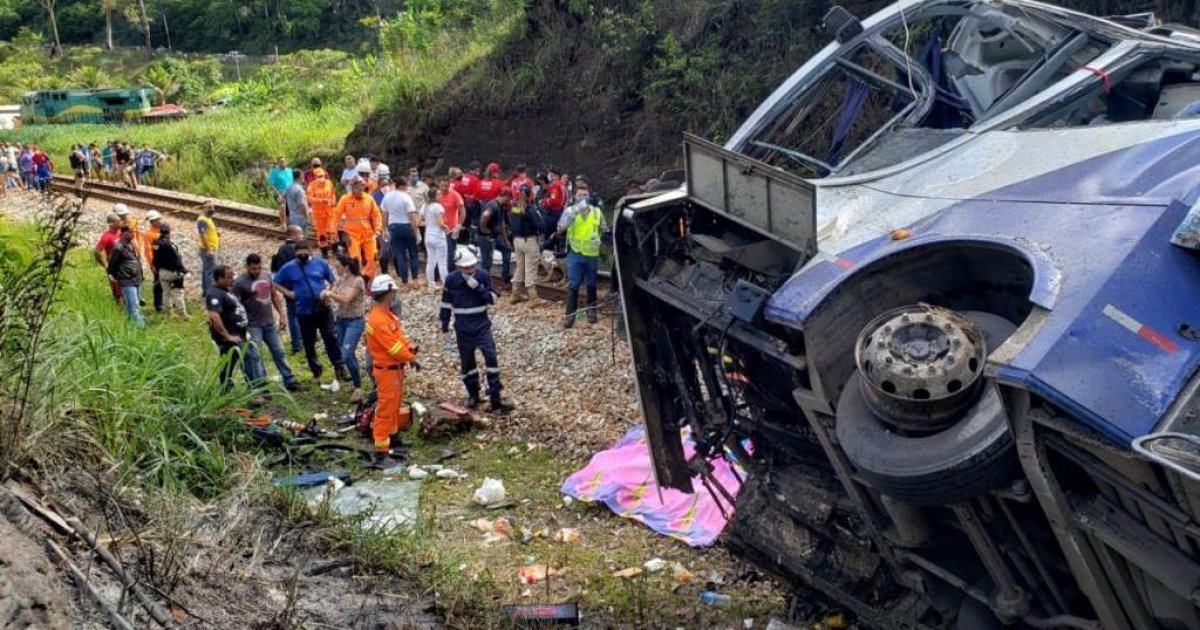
(359,217)
(552,207)
(583,225)
(150,245)
(389,351)
(493,234)
(323,197)
(467,295)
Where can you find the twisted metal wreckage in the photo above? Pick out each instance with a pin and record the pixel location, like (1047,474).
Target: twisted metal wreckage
(941,279)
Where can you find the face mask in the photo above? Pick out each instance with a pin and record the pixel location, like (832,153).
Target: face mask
(303,258)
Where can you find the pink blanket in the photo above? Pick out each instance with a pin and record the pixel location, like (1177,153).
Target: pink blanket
(622,477)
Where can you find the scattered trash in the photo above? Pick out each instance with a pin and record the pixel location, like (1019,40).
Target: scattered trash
(567,501)
(562,614)
(494,531)
(503,526)
(309,480)
(394,471)
(388,503)
(567,535)
(434,467)
(534,573)
(836,621)
(631,572)
(715,577)
(526,593)
(775,624)
(713,598)
(654,565)
(681,574)
(747,623)
(446,455)
(490,493)
(320,416)
(448,473)
(512,450)
(416,472)
(526,535)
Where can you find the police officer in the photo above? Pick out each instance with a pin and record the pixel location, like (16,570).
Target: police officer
(467,295)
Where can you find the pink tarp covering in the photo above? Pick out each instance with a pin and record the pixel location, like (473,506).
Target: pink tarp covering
(622,477)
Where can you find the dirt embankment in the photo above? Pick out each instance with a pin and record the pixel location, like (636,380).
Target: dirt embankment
(606,90)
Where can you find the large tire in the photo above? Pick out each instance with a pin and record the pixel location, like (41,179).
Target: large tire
(963,461)
(970,457)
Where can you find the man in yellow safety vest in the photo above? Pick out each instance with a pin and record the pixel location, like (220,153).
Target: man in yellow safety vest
(583,224)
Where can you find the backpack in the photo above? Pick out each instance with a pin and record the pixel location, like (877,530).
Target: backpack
(364,414)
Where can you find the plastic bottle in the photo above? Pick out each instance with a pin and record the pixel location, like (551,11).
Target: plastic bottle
(715,599)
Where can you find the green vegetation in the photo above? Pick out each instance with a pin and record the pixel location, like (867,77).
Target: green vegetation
(301,105)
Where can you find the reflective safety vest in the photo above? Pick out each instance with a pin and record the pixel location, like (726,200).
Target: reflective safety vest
(584,233)
(360,214)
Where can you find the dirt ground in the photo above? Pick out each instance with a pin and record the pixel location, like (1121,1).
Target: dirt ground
(32,594)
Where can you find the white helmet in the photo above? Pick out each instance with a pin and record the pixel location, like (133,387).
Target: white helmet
(464,257)
(383,283)
(364,165)
(121,209)
(153,215)
(384,171)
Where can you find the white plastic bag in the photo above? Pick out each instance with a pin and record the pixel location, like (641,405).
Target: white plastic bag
(490,493)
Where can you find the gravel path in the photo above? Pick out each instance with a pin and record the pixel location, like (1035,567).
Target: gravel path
(573,389)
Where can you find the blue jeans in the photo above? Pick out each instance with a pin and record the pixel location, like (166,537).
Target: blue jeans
(582,270)
(487,245)
(131,296)
(293,325)
(208,262)
(349,333)
(255,367)
(404,250)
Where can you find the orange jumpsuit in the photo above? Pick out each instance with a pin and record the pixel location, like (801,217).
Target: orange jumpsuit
(150,239)
(322,198)
(137,234)
(361,219)
(389,352)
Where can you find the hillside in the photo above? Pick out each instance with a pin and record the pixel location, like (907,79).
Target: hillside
(606,88)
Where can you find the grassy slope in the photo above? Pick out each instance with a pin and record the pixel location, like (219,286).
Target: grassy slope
(145,405)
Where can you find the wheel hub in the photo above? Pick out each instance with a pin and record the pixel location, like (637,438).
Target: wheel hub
(921,366)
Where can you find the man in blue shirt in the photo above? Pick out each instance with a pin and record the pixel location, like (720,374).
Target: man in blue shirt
(280,176)
(303,280)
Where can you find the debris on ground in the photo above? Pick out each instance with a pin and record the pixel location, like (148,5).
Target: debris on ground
(534,573)
(386,504)
(654,565)
(713,598)
(309,480)
(417,473)
(631,572)
(445,420)
(491,492)
(622,477)
(449,473)
(567,535)
(561,614)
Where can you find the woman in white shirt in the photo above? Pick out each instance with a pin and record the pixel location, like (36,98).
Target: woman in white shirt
(435,241)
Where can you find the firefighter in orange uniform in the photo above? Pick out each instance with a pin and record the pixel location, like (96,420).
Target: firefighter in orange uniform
(390,351)
(322,198)
(358,216)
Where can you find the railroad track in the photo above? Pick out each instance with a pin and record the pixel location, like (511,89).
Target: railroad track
(230,215)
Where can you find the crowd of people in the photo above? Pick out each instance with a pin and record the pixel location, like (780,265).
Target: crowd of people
(25,167)
(329,280)
(116,161)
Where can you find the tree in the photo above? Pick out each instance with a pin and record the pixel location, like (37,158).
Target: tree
(140,18)
(48,5)
(110,7)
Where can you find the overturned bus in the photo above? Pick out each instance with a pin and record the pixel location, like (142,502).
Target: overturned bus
(932,281)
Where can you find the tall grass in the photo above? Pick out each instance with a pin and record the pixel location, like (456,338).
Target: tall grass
(144,404)
(221,154)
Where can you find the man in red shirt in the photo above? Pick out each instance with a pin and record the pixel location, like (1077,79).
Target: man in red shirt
(104,247)
(488,187)
(520,180)
(469,189)
(455,208)
(552,208)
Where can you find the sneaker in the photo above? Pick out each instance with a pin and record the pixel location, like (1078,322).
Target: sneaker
(293,387)
(332,386)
